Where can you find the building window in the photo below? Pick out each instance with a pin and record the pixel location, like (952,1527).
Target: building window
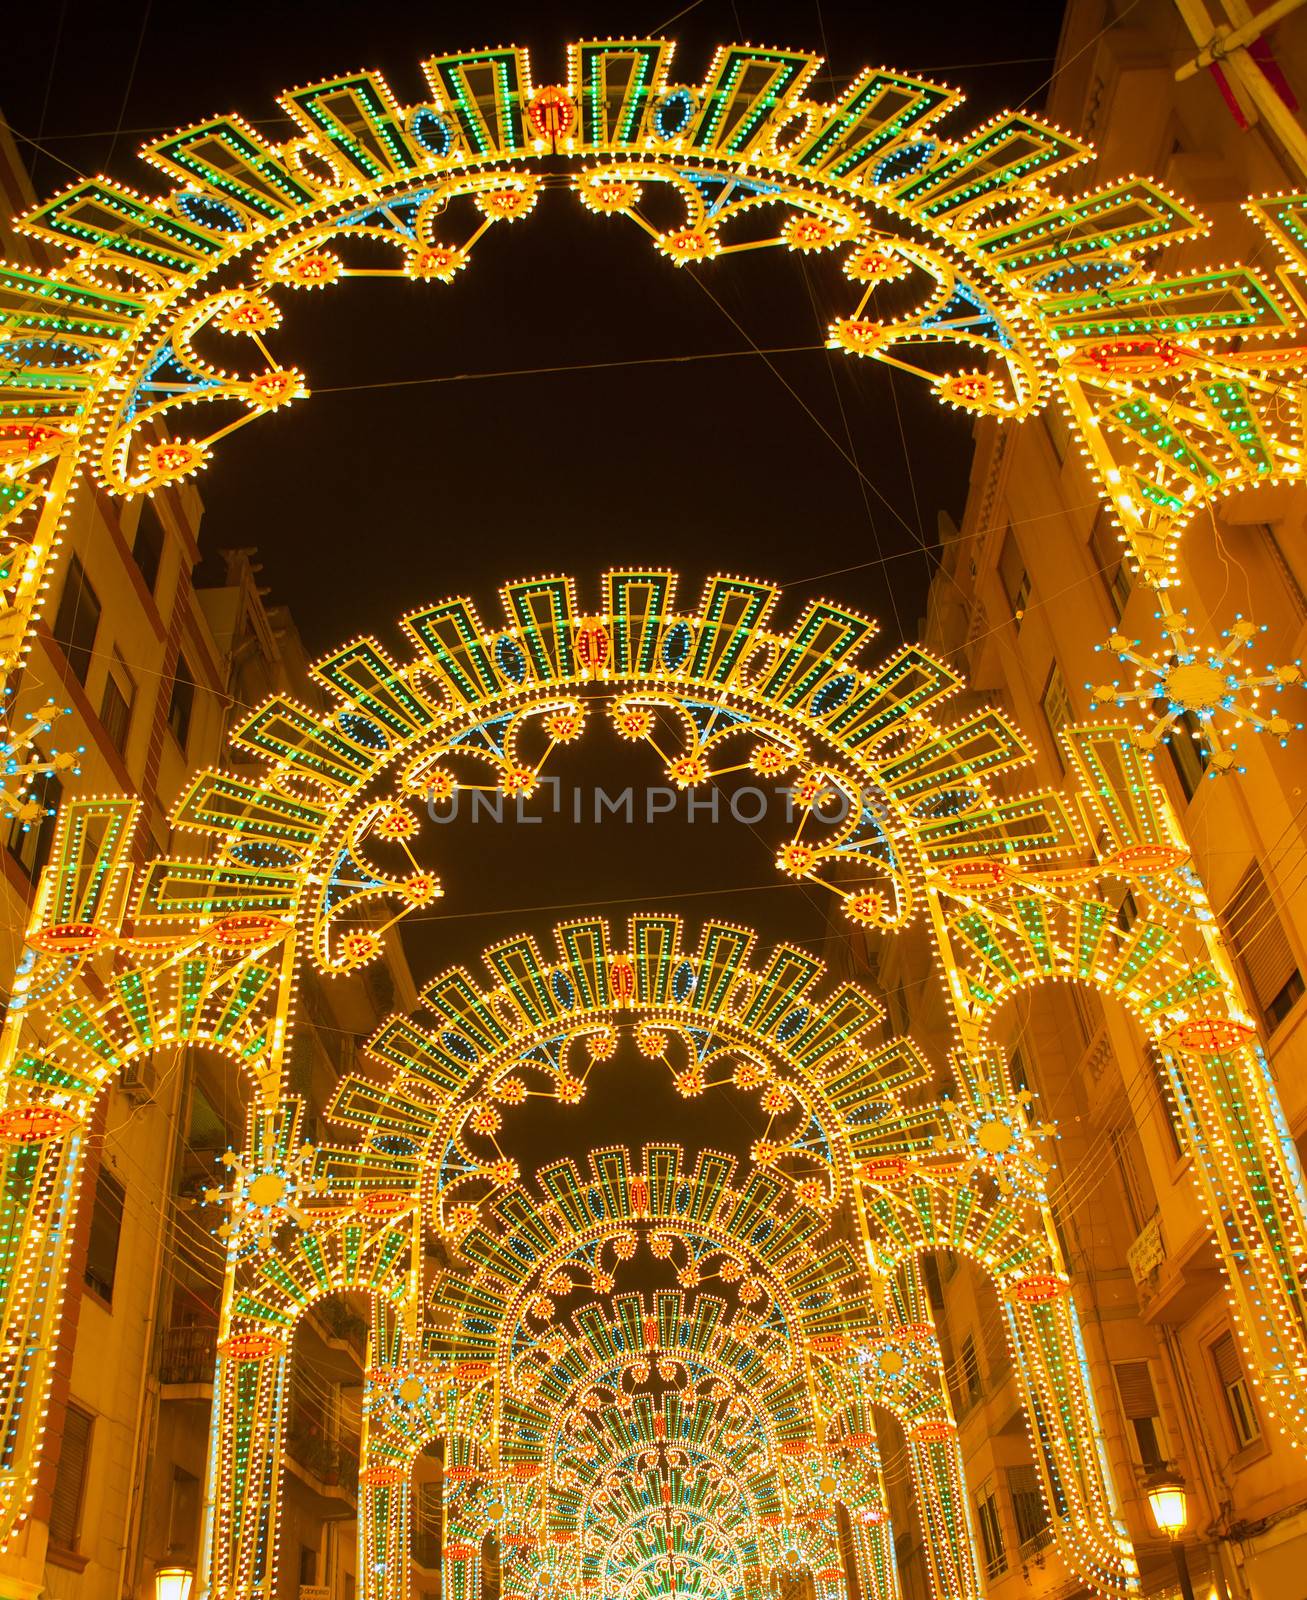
(147,546)
(29,844)
(1188,753)
(70,1478)
(184,1514)
(1123,1140)
(1028,1509)
(77,620)
(1056,703)
(1166,1098)
(1109,557)
(969,1371)
(116,705)
(1292,587)
(848,1551)
(106,1229)
(1020,1077)
(1059,430)
(1255,930)
(308,1567)
(1015,579)
(1134,1383)
(1234,1386)
(181,702)
(991,1530)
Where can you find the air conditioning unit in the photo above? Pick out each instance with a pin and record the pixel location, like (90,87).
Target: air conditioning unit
(136,1080)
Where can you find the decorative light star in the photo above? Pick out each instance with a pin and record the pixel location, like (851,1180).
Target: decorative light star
(24,762)
(265,1193)
(994,1135)
(1206,682)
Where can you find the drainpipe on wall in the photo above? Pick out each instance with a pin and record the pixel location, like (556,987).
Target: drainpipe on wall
(1198,1447)
(139,1485)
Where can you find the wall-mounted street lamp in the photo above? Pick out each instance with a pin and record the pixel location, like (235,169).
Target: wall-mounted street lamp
(173,1583)
(1168,1500)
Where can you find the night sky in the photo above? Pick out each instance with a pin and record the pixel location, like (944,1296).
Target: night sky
(381,493)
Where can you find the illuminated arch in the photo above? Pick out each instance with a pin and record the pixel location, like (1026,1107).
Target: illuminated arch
(957,248)
(1011,889)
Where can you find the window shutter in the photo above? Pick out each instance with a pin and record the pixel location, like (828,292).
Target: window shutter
(70,1478)
(1259,938)
(1011,568)
(1225,1357)
(1134,1384)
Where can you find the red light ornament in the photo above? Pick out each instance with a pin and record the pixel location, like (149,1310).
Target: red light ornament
(1133,357)
(884,1169)
(977,875)
(593,646)
(243,930)
(1039,1289)
(1144,859)
(69,938)
(35,1124)
(251,1347)
(1212,1036)
(551,111)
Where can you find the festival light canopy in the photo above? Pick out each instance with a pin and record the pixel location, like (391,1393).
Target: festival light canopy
(656,1369)
(771,1307)
(970,261)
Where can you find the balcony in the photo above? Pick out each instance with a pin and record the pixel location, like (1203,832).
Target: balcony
(426,1551)
(1031,1550)
(332,1463)
(187,1358)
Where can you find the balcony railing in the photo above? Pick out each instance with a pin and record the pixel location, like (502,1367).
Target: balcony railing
(188,1354)
(426,1551)
(1031,1548)
(333,1462)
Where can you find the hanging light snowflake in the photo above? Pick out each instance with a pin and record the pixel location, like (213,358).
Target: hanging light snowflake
(265,1193)
(993,1133)
(1205,682)
(24,762)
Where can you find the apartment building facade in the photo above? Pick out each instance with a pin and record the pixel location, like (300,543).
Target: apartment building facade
(1025,589)
(157,655)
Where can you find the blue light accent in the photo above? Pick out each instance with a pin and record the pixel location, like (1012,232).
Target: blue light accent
(510,660)
(708,718)
(459,1046)
(792,1024)
(165,374)
(1080,277)
(719,189)
(564,991)
(262,853)
(487,735)
(683,982)
(904,161)
(391,216)
(834,692)
(431,131)
(394,1144)
(47,352)
(206,211)
(676,645)
(967,312)
(348,877)
(362,730)
(673,112)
